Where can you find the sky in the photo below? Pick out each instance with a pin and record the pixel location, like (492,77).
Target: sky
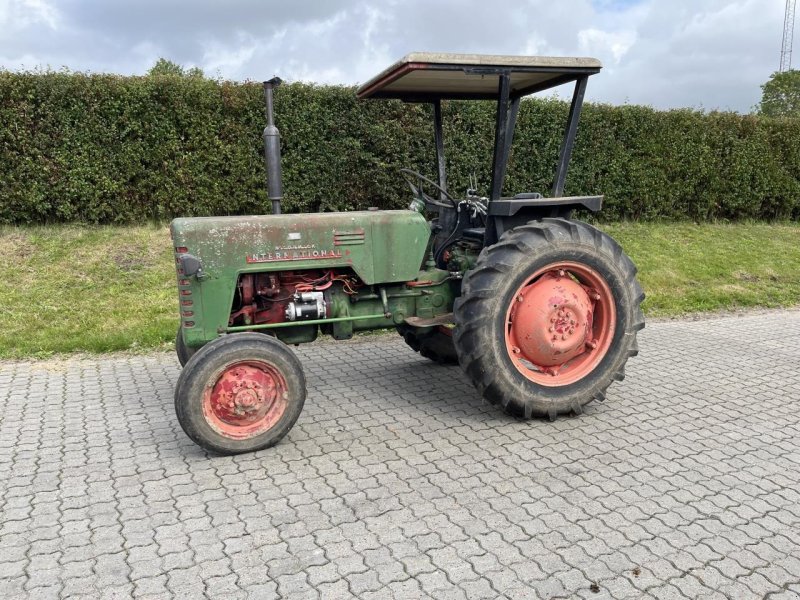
(708,54)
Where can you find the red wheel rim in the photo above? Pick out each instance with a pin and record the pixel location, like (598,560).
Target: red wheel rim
(560,323)
(245,399)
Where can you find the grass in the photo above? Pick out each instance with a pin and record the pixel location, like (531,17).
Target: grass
(97,289)
(68,288)
(686,268)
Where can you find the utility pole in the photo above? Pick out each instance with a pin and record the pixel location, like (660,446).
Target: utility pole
(788,35)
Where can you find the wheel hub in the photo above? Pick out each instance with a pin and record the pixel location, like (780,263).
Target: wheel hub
(560,323)
(246,399)
(551,321)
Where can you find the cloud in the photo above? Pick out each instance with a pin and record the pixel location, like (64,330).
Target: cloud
(16,15)
(710,53)
(226,58)
(615,44)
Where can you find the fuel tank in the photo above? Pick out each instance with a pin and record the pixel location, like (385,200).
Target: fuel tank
(380,246)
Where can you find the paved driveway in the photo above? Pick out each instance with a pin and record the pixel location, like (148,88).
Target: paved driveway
(399,482)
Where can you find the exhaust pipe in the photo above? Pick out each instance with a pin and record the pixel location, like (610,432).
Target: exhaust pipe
(272,150)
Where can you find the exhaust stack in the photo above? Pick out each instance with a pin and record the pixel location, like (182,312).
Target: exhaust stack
(272,150)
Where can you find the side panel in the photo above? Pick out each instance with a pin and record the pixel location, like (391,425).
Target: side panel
(398,246)
(379,246)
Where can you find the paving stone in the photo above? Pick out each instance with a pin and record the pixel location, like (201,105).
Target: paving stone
(361,583)
(398,481)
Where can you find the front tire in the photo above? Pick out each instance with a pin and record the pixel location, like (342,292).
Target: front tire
(548,318)
(240,393)
(182,350)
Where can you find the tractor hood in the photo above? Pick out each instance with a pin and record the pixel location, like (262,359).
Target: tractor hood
(380,246)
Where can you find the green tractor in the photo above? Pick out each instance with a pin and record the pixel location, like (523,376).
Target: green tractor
(540,310)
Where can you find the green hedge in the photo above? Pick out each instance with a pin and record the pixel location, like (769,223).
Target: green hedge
(108,149)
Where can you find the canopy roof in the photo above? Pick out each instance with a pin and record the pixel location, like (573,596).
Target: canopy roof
(422,76)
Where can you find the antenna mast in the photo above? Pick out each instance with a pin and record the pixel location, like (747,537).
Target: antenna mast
(788,35)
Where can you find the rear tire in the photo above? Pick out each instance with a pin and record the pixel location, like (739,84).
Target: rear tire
(499,349)
(240,393)
(433,344)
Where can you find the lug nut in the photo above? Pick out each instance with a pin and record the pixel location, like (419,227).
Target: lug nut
(515,350)
(520,298)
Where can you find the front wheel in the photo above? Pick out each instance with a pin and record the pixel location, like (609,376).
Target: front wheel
(240,393)
(548,318)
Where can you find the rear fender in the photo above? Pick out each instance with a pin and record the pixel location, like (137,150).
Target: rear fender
(508,213)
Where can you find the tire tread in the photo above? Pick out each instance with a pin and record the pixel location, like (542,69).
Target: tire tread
(479,298)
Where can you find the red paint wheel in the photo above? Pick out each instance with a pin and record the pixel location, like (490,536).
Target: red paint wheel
(246,399)
(547,318)
(239,393)
(560,323)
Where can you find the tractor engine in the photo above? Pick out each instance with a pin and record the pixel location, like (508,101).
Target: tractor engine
(290,296)
(307,305)
(296,305)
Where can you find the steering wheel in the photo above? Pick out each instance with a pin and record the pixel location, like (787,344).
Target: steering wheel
(415,181)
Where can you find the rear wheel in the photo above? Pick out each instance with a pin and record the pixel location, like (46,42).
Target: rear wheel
(435,344)
(240,393)
(548,318)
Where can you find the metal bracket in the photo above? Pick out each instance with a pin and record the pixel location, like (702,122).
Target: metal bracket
(445,319)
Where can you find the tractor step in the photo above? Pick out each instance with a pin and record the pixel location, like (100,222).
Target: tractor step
(445,319)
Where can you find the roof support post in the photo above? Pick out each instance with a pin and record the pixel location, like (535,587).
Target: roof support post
(437,133)
(569,136)
(501,131)
(513,111)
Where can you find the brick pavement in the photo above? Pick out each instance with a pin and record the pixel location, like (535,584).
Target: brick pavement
(398,482)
